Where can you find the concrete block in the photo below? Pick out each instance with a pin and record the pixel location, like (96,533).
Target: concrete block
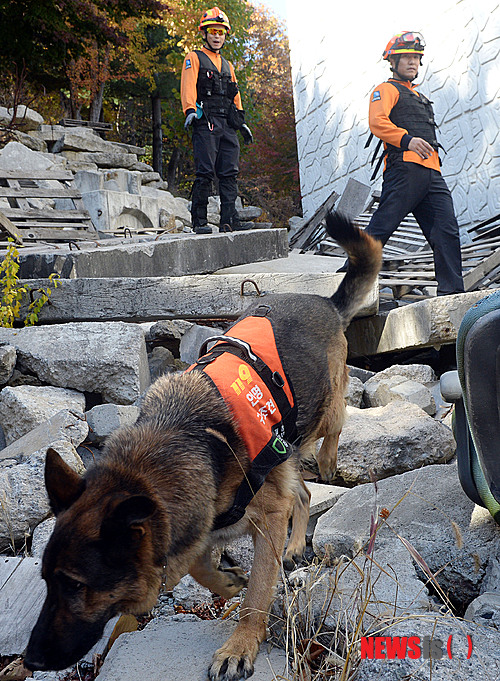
(178,648)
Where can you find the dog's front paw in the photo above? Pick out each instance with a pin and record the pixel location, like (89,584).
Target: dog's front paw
(234,580)
(226,667)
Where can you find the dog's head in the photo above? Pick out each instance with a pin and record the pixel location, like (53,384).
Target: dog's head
(92,564)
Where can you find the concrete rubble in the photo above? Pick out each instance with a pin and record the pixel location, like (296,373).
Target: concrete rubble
(124,314)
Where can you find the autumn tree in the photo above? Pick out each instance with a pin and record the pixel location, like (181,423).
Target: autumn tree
(269,168)
(47,37)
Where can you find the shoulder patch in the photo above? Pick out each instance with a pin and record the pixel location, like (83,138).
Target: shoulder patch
(188,64)
(376,96)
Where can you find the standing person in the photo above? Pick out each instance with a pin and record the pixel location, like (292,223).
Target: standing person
(212,106)
(404,120)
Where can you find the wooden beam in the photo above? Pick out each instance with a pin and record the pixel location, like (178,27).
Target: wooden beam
(478,273)
(10,228)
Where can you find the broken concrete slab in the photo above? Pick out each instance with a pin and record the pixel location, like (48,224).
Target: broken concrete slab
(22,491)
(177,648)
(172,255)
(24,407)
(105,358)
(427,323)
(193,297)
(385,441)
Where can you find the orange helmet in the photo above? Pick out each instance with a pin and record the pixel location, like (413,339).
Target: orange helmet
(214,17)
(406,42)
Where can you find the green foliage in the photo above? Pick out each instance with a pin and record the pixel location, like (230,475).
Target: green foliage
(12,293)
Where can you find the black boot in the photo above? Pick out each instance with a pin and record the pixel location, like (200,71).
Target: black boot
(199,202)
(228,190)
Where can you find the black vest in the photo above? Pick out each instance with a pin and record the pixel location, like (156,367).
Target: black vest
(414,113)
(215,90)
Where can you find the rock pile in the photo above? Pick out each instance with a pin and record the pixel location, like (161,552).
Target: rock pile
(118,189)
(432,551)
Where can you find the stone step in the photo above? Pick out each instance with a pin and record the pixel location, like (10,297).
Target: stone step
(173,255)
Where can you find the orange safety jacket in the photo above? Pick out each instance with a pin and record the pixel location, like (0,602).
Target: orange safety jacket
(246,369)
(383,100)
(189,78)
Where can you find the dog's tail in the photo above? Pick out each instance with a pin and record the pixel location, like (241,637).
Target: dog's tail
(365,260)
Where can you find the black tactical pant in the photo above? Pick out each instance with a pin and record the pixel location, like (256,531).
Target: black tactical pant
(412,188)
(216,154)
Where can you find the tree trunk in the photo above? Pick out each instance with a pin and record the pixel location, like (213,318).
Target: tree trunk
(172,169)
(96,105)
(157,133)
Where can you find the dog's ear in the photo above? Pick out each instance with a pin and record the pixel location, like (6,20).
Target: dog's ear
(63,484)
(127,518)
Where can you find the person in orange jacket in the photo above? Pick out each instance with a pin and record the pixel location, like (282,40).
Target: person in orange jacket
(404,120)
(212,105)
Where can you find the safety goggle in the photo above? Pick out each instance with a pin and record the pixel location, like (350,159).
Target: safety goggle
(412,39)
(216,31)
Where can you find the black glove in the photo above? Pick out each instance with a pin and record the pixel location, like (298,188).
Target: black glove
(189,119)
(246,133)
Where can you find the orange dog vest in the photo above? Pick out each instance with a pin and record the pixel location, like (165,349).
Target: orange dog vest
(246,369)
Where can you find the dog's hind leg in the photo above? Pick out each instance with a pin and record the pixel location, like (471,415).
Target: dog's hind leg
(300,518)
(227,582)
(235,659)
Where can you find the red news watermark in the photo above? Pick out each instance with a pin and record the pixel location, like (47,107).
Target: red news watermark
(412,647)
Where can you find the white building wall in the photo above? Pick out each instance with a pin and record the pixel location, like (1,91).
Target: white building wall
(336,50)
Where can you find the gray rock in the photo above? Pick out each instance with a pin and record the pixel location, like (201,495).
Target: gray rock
(414,372)
(323,497)
(8,358)
(390,440)
(41,535)
(428,509)
(24,118)
(99,357)
(23,408)
(485,610)
(241,552)
(189,593)
(65,425)
(103,419)
(362,374)
(168,330)
(161,361)
(22,490)
(354,394)
(250,213)
(379,391)
(192,340)
(15,155)
(177,649)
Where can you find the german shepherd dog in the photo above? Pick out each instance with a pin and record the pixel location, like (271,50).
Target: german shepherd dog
(143,516)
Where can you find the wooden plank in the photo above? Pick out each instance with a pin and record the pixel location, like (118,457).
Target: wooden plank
(35,213)
(474,276)
(49,234)
(39,193)
(10,228)
(302,236)
(36,175)
(21,598)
